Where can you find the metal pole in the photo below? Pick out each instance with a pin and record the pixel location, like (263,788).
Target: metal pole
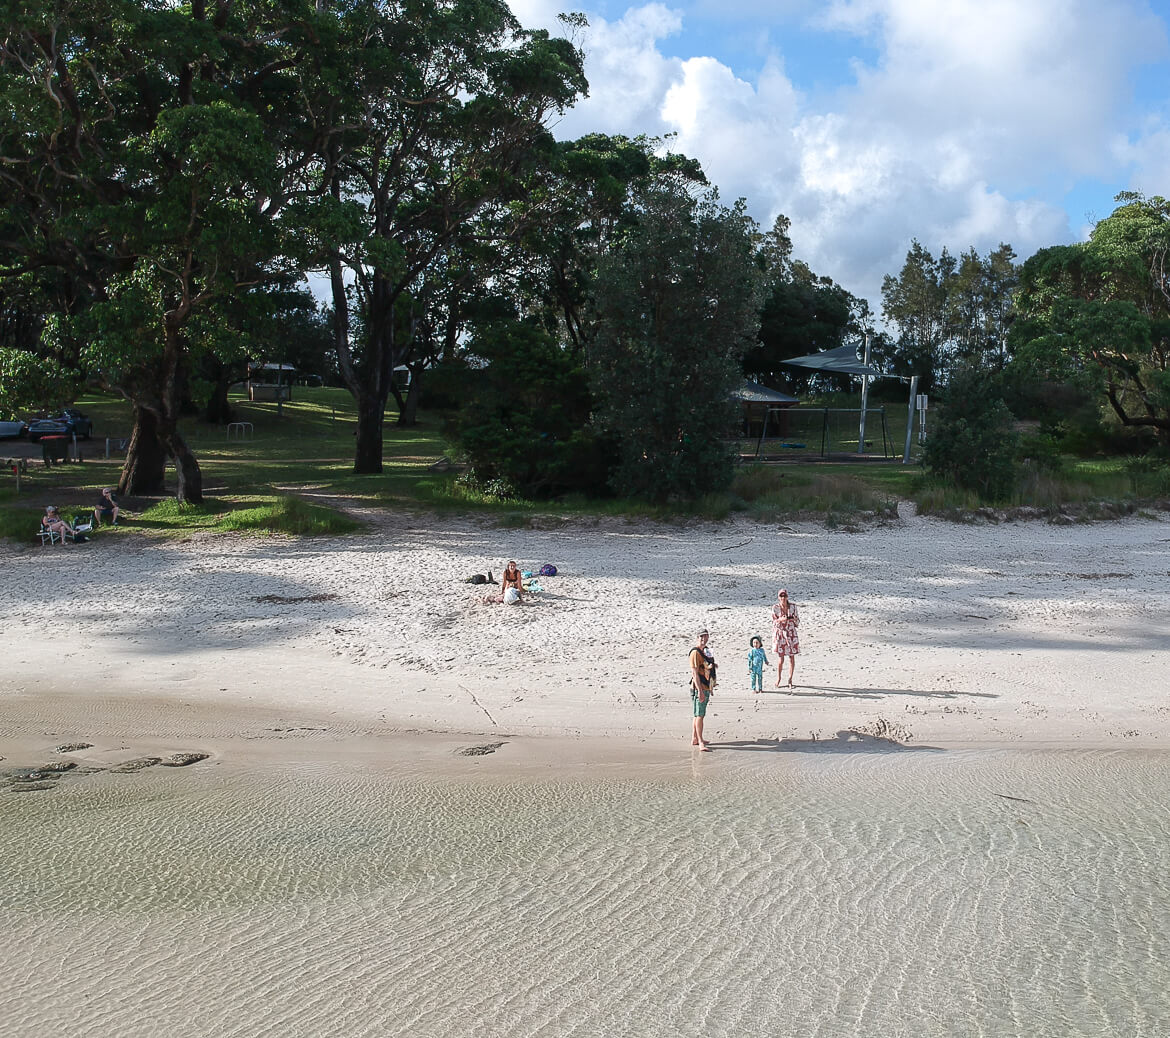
(864,401)
(910,419)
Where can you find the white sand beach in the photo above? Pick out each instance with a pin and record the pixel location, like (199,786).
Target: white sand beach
(921,631)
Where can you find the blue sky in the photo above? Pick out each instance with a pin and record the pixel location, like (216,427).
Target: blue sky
(871,122)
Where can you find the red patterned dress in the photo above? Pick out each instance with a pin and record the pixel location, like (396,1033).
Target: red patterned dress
(785,636)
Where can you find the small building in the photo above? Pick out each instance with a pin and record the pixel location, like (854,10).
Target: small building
(270,381)
(757,401)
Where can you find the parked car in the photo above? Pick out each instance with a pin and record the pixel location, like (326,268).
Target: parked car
(13,430)
(69,422)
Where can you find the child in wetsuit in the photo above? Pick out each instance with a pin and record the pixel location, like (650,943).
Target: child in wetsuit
(757,660)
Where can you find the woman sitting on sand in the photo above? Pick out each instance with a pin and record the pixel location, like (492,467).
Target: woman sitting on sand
(513,580)
(785,637)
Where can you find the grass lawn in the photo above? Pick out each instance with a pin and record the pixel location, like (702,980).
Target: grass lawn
(307,450)
(304,454)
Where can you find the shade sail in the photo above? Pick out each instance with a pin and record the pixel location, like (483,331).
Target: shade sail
(753,393)
(841,361)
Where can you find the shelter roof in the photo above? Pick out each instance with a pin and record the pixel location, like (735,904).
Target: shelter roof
(753,393)
(841,361)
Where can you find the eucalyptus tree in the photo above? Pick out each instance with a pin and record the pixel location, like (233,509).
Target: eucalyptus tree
(588,202)
(915,303)
(150,153)
(979,300)
(447,105)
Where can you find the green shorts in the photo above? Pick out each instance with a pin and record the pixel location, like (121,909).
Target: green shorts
(700,705)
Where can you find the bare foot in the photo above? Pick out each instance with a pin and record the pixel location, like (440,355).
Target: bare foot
(790,684)
(703,747)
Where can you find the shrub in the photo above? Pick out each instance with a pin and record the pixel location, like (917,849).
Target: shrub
(974,443)
(524,424)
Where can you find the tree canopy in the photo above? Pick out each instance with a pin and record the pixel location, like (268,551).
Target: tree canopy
(1097,314)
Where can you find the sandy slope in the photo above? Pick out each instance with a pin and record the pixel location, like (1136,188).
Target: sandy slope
(922,630)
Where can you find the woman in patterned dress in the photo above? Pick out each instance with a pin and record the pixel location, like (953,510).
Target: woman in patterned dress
(785,637)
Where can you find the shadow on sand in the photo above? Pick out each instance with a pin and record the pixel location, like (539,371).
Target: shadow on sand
(845,741)
(832,692)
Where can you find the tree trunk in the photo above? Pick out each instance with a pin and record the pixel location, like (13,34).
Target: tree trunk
(218,410)
(144,470)
(408,414)
(190,476)
(368,454)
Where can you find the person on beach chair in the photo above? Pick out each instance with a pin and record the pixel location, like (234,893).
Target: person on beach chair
(54,527)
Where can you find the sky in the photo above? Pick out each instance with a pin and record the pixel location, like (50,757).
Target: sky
(870,123)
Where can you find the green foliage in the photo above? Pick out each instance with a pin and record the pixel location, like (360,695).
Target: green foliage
(802,313)
(677,303)
(453,99)
(159,144)
(949,311)
(524,425)
(1042,450)
(973,443)
(30,382)
(1094,319)
(1149,475)
(290,515)
(915,302)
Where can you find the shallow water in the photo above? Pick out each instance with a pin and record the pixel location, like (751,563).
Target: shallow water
(815,894)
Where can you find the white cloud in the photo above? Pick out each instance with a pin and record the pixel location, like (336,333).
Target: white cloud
(1148,155)
(628,74)
(973,113)
(1026,85)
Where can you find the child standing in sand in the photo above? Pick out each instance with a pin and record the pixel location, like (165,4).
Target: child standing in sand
(757,660)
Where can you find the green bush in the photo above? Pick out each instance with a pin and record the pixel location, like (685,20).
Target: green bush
(1149,475)
(1042,450)
(974,443)
(524,424)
